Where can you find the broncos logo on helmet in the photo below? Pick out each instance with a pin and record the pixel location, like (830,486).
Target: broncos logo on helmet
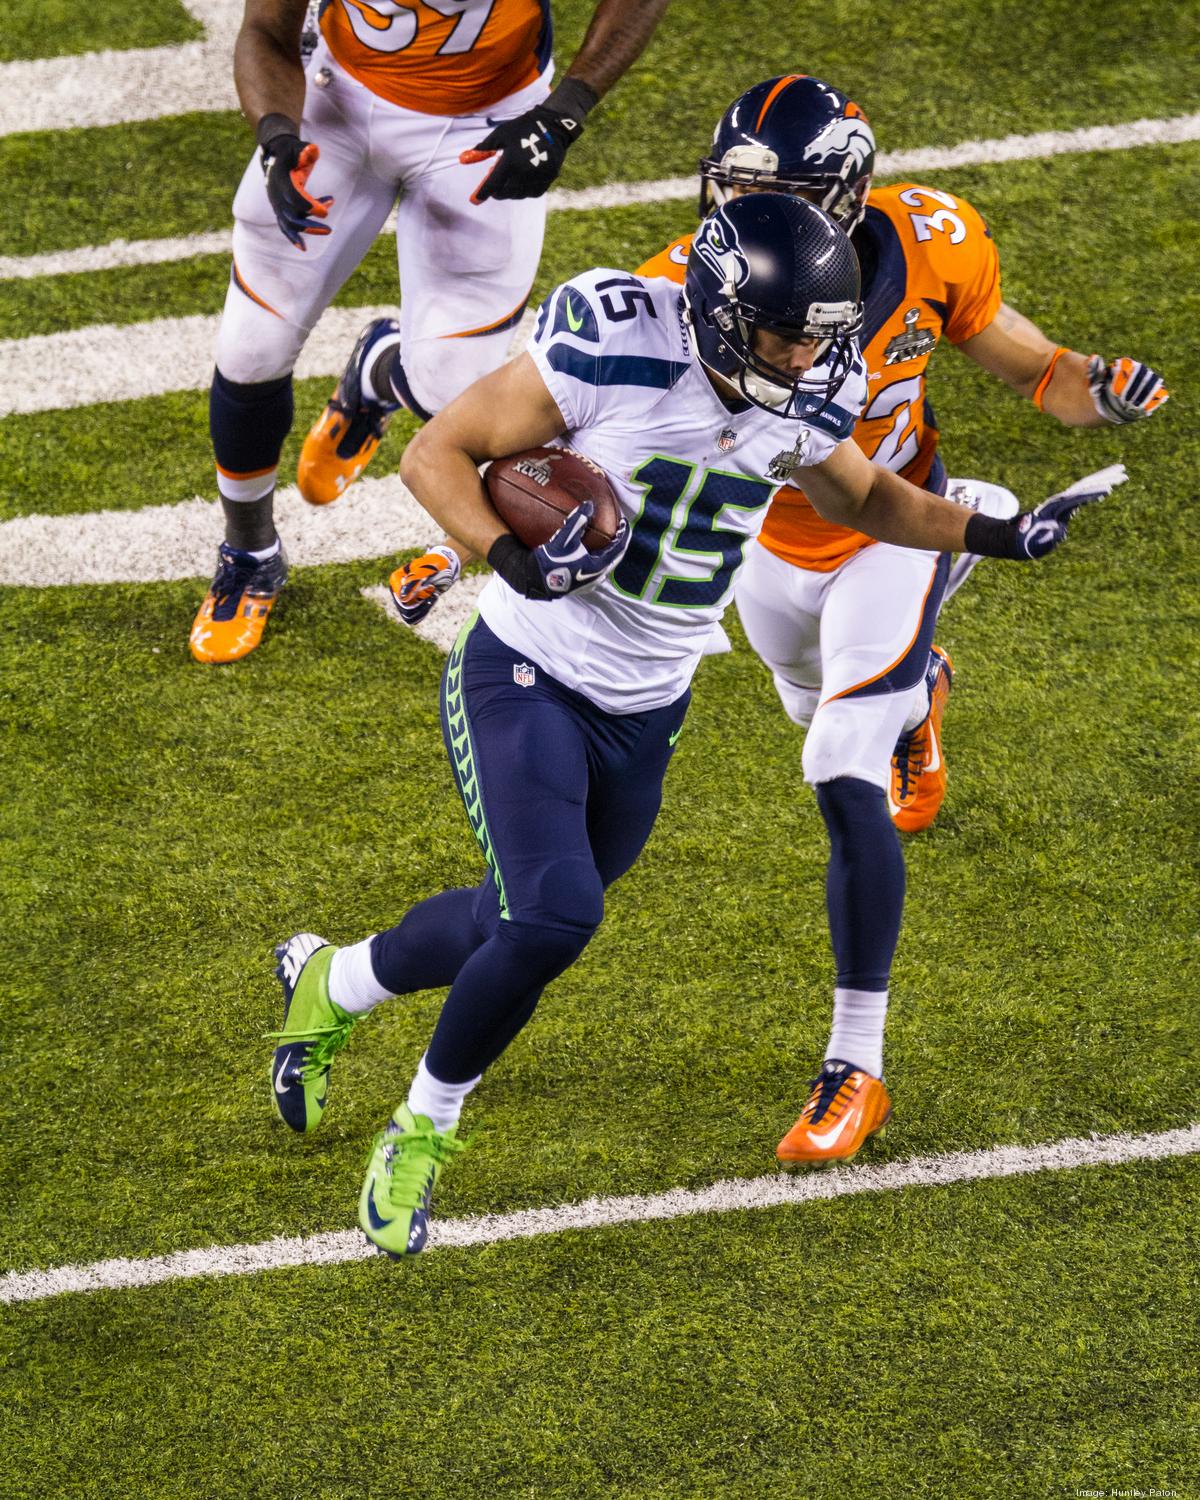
(794,135)
(846,143)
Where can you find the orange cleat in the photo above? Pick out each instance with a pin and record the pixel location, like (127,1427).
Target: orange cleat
(845,1109)
(230,622)
(342,442)
(918,766)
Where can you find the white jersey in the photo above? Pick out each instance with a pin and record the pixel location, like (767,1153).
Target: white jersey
(693,480)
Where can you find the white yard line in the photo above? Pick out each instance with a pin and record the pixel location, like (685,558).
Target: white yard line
(737,1194)
(113,88)
(1120,137)
(157,543)
(130,361)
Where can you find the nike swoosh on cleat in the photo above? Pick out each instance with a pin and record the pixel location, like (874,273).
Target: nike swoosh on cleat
(280,1086)
(373,1213)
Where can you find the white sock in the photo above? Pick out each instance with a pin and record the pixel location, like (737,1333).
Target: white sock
(352,982)
(442,1102)
(857,1034)
(384,346)
(919,711)
(266,551)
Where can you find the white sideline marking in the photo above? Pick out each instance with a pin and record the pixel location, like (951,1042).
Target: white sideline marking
(159,543)
(113,88)
(128,362)
(736,1194)
(1165,132)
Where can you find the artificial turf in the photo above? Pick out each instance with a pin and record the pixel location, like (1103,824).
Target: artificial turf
(163,825)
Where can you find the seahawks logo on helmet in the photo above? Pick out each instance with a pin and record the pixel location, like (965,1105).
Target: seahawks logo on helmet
(717,245)
(849,137)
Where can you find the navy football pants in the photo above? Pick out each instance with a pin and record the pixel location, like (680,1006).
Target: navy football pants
(561,796)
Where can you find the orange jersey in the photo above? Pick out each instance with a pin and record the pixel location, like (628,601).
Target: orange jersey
(930,268)
(447,57)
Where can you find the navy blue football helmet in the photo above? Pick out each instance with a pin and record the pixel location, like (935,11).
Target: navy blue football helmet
(793,134)
(770,261)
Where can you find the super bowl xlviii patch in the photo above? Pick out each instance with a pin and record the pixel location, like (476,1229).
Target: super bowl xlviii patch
(523,674)
(791,458)
(913,343)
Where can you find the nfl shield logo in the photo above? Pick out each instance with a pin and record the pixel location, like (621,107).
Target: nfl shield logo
(523,674)
(726,439)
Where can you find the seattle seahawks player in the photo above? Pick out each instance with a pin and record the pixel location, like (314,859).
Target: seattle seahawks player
(843,621)
(563,699)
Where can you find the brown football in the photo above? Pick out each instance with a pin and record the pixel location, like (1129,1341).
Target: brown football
(533,492)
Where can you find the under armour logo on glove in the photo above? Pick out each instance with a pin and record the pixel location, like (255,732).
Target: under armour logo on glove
(1126,390)
(529,151)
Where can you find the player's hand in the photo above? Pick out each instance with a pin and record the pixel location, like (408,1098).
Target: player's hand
(565,563)
(1126,390)
(419,584)
(561,566)
(1035,533)
(287,162)
(530,151)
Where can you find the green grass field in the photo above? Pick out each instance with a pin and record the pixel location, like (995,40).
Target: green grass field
(163,825)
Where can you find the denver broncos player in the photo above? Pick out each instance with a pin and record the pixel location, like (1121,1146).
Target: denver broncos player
(403,99)
(845,623)
(563,699)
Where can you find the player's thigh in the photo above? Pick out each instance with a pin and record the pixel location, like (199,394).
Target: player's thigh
(780,610)
(876,631)
(278,292)
(625,792)
(519,755)
(466,271)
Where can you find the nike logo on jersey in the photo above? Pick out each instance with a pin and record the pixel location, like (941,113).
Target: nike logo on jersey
(573,322)
(673,737)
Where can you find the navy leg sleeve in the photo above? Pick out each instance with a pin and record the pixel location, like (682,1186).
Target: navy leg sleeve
(249,423)
(864,886)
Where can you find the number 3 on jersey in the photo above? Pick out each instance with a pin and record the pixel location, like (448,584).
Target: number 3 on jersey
(659,538)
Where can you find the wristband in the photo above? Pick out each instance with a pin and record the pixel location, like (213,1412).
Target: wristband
(1039,394)
(270,127)
(573,98)
(513,561)
(988,536)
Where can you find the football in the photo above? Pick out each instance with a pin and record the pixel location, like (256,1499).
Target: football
(534,492)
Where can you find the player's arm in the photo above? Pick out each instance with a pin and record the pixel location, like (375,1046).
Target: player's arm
(849,489)
(1079,389)
(616,35)
(504,412)
(269,77)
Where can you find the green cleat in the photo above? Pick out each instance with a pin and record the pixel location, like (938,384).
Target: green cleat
(406,1162)
(314,1031)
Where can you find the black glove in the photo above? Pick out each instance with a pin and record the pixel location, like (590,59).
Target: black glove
(287,162)
(1034,533)
(563,564)
(532,147)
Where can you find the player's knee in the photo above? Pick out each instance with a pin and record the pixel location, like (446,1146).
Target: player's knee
(840,743)
(438,370)
(799,703)
(568,898)
(254,345)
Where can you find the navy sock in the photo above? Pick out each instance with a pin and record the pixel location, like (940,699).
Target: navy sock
(864,885)
(248,423)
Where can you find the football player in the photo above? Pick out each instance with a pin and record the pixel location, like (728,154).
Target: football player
(444,105)
(563,699)
(844,621)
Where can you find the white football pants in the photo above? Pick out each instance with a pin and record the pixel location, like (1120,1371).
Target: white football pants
(464,267)
(824,634)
